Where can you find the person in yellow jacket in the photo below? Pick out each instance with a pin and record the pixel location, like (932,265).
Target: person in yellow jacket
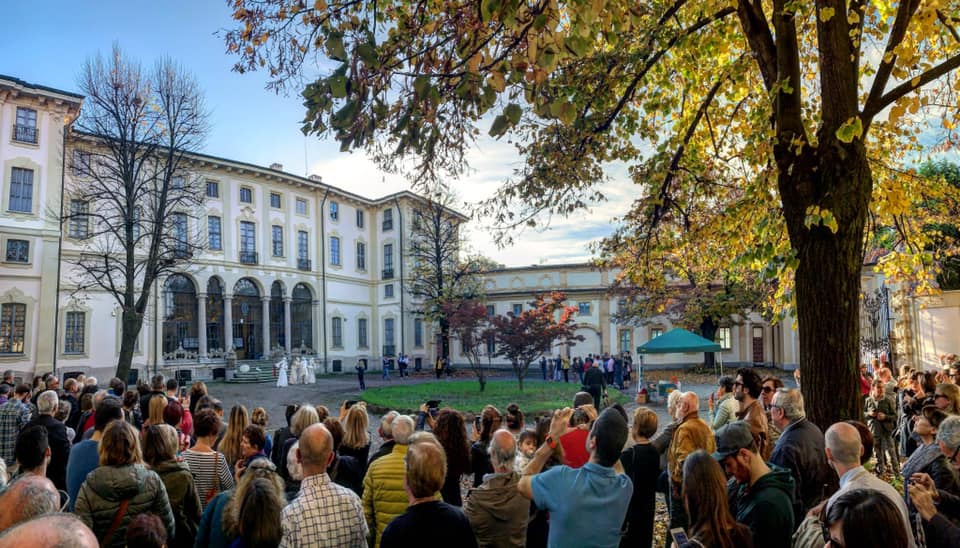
(566,369)
(384,496)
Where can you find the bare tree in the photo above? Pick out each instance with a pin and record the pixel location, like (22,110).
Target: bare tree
(441,275)
(131,198)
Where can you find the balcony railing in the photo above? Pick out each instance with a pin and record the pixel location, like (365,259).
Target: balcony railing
(303,264)
(248,257)
(25,134)
(387,273)
(182,253)
(389,350)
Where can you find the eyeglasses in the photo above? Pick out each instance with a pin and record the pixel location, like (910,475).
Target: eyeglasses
(828,540)
(767,389)
(738,383)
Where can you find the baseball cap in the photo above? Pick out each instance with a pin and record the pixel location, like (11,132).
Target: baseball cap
(732,438)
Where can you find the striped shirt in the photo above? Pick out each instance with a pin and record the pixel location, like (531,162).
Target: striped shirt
(206,467)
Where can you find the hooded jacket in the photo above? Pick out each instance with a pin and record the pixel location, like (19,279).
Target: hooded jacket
(184,501)
(766,507)
(106,487)
(498,512)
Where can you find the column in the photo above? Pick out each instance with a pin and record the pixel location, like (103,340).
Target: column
(319,327)
(227,323)
(266,327)
(202,325)
(288,339)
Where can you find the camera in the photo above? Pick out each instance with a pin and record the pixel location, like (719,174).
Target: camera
(349,404)
(433,407)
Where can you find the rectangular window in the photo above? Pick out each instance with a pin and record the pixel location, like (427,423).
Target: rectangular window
(303,245)
(73,332)
(361,256)
(362,333)
(418,332)
(491,344)
(21,190)
(336,329)
(13,318)
(79,220)
(388,336)
(334,211)
(274,200)
(388,291)
(25,129)
(583,309)
(137,214)
(655,332)
(246,195)
(625,342)
(248,237)
(180,240)
(301,206)
(18,251)
(491,310)
(178,182)
(724,337)
(359,219)
(387,219)
(214,238)
(334,250)
(213,189)
(277,241)
(388,259)
(81,163)
(517,309)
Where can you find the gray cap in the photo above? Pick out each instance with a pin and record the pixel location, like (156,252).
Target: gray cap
(732,438)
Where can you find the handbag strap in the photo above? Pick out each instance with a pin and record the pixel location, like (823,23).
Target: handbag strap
(216,471)
(117,518)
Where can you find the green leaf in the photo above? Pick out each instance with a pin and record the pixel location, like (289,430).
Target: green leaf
(850,130)
(335,46)
(499,127)
(338,86)
(420,85)
(368,54)
(513,113)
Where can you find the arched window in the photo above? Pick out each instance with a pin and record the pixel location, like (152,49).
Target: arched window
(301,317)
(247,320)
(215,315)
(277,331)
(179,314)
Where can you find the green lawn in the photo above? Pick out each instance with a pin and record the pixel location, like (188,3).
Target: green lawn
(466,396)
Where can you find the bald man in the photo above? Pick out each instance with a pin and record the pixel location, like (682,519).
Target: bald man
(27,497)
(324,513)
(843,450)
(496,509)
(692,433)
(50,530)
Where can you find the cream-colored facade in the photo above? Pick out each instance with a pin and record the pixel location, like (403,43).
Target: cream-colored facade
(749,340)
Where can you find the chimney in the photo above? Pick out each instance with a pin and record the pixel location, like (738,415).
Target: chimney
(276,166)
(315,177)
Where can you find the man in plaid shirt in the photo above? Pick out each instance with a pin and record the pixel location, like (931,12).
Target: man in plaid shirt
(324,514)
(14,415)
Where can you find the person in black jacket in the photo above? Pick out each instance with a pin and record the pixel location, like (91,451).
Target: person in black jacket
(281,436)
(343,470)
(47,405)
(924,492)
(595,383)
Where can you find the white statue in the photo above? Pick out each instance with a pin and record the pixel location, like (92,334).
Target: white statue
(282,372)
(311,371)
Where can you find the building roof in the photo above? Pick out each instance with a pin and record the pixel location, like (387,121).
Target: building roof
(37,88)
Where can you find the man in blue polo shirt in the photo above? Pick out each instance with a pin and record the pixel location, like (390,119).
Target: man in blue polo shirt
(587,505)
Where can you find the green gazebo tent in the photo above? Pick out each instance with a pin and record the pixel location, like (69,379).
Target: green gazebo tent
(677,341)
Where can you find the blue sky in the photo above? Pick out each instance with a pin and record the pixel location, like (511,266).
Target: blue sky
(46,43)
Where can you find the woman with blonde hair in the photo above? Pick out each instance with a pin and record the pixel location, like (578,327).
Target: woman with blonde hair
(259,417)
(158,404)
(120,488)
(356,440)
(230,444)
(947,398)
(289,468)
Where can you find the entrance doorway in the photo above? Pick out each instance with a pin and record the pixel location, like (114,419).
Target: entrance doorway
(757,344)
(247,320)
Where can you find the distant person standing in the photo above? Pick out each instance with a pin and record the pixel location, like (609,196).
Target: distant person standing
(361,369)
(438,367)
(543,367)
(386,368)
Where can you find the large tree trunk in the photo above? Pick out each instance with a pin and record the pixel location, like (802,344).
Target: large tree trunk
(708,330)
(131,325)
(828,274)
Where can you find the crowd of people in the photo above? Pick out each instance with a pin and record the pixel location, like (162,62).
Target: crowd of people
(163,465)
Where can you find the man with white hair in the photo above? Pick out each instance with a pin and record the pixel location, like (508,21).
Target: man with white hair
(386,434)
(692,433)
(800,449)
(496,509)
(843,450)
(47,405)
(384,496)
